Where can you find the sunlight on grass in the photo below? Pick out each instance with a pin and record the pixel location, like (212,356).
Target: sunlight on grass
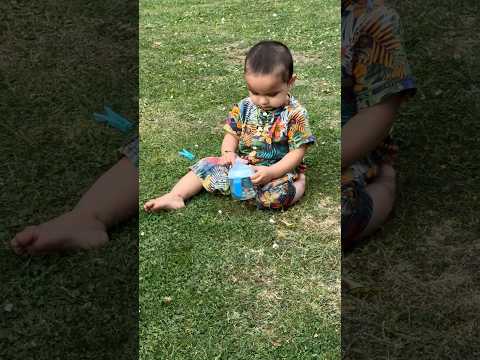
(243,283)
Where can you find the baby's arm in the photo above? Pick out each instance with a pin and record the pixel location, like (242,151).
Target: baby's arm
(367,129)
(265,174)
(229,148)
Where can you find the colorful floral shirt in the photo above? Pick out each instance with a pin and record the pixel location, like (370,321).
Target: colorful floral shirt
(266,137)
(374,67)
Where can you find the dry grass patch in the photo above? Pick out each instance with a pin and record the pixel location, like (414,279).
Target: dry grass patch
(306,59)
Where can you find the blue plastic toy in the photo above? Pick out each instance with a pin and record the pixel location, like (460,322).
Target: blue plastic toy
(186,154)
(113,119)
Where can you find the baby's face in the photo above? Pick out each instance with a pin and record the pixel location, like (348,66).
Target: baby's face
(269,91)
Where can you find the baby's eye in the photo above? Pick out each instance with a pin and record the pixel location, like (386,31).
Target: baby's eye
(273,95)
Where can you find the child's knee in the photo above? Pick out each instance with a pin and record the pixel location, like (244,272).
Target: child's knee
(387,179)
(209,160)
(277,198)
(299,185)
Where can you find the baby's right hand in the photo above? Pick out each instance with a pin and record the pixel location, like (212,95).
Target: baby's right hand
(228,158)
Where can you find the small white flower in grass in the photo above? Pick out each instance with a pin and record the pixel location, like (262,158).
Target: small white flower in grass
(235,315)
(220,212)
(171,96)
(167,300)
(142,233)
(275,245)
(223,20)
(196,145)
(274,15)
(271,221)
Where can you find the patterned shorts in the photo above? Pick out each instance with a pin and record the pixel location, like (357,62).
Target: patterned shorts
(130,150)
(357,208)
(357,205)
(277,194)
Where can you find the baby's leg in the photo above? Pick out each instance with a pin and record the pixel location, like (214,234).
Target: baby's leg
(186,187)
(207,173)
(111,199)
(281,193)
(299,188)
(382,192)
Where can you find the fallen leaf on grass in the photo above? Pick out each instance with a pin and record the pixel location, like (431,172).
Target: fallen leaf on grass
(276,343)
(286,223)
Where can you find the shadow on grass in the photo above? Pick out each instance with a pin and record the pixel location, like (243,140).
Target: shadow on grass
(59,63)
(416,279)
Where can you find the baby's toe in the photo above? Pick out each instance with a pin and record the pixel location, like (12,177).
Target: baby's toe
(26,236)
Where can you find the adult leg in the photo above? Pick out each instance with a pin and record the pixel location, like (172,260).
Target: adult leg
(111,199)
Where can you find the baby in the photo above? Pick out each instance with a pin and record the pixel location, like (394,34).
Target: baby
(269,130)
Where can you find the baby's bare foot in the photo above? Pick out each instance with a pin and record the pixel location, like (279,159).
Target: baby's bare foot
(70,231)
(166,202)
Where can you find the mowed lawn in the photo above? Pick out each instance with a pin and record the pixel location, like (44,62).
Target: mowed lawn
(59,63)
(417,285)
(220,280)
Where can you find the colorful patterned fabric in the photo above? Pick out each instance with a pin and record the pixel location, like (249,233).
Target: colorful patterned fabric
(357,209)
(277,194)
(266,137)
(374,67)
(130,150)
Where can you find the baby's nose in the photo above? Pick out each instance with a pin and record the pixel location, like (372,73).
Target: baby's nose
(263,101)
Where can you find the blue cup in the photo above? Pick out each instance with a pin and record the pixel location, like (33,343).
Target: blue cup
(241,185)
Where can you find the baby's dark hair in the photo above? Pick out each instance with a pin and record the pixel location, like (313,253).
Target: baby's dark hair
(268,56)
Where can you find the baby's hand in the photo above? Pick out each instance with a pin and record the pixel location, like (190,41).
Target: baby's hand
(228,158)
(262,175)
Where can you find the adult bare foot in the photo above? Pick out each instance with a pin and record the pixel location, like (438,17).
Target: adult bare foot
(166,202)
(70,231)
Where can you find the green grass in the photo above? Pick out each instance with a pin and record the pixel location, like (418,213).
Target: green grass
(233,294)
(418,278)
(59,63)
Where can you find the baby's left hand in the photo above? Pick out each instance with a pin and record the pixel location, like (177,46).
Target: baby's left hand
(262,175)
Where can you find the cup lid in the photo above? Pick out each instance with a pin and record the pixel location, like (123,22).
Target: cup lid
(239,170)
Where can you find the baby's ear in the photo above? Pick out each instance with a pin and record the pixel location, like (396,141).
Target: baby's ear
(292,80)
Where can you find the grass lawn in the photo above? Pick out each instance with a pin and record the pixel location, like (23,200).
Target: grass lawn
(418,282)
(212,285)
(60,62)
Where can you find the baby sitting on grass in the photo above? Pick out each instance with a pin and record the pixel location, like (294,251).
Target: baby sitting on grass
(269,130)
